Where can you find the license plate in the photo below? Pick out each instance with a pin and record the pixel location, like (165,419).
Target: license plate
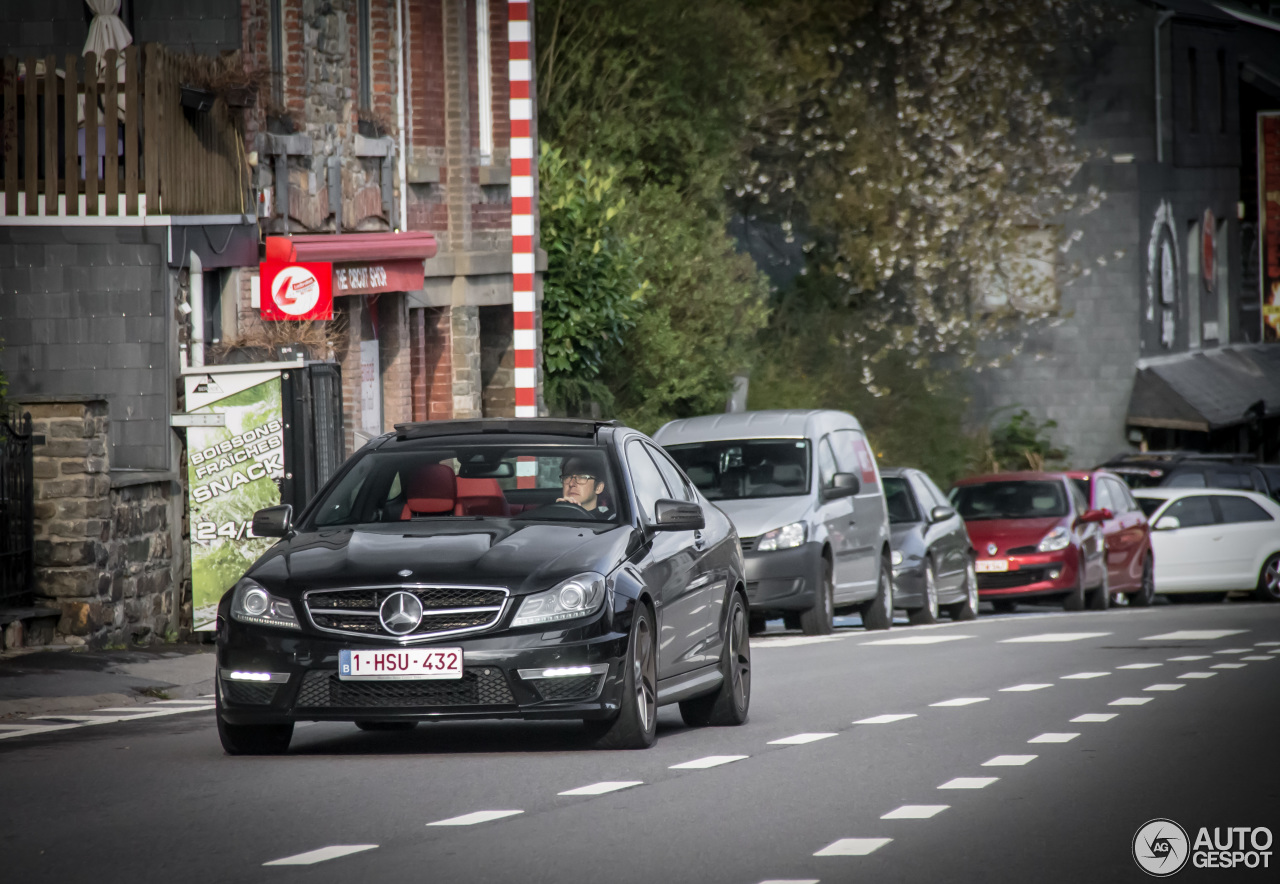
(401,664)
(986,566)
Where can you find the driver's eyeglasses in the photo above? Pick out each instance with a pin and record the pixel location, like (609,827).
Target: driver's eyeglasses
(578,478)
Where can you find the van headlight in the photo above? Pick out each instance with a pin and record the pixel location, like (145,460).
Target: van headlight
(786,537)
(576,597)
(253,604)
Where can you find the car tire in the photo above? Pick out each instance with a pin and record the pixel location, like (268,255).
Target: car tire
(877,613)
(1099,598)
(818,619)
(1269,580)
(252,739)
(1074,600)
(1147,594)
(928,612)
(636,724)
(386,725)
(728,705)
(967,609)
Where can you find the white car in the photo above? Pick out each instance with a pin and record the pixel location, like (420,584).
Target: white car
(1213,540)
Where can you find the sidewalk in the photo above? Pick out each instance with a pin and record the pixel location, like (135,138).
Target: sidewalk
(41,681)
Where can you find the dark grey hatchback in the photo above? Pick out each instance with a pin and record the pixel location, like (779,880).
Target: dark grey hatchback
(933,559)
(532,568)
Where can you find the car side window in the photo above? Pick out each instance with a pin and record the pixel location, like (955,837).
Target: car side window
(1240,509)
(1192,512)
(1121,496)
(1077,495)
(1187,480)
(646,479)
(1102,497)
(939,498)
(676,480)
(826,463)
(923,495)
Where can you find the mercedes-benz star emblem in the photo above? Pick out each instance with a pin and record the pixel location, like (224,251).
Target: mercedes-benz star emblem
(400,613)
(405,573)
(992,549)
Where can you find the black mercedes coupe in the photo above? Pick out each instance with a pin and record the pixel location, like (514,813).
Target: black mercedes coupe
(530,568)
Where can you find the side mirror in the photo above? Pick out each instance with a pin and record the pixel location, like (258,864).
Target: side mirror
(842,485)
(678,515)
(1168,523)
(274,521)
(1094,516)
(941,513)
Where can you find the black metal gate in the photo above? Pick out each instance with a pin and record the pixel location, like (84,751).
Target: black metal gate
(313,435)
(17,529)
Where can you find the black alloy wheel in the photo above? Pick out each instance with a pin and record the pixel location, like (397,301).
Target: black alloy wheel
(877,613)
(386,725)
(636,725)
(928,612)
(967,609)
(728,705)
(1100,596)
(1147,592)
(251,739)
(1269,580)
(818,620)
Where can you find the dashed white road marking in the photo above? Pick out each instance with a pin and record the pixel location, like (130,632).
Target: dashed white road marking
(1189,658)
(709,761)
(1229,665)
(1053,738)
(1094,717)
(1053,637)
(792,881)
(1193,635)
(193,702)
(853,847)
(1131,701)
(1087,675)
(602,788)
(915,812)
(1265,644)
(38,729)
(794,641)
(312,857)
(886,719)
(1027,687)
(479,816)
(1197,675)
(968,783)
(1234,651)
(1139,666)
(962,701)
(1259,658)
(917,640)
(1010,760)
(799,739)
(1164,687)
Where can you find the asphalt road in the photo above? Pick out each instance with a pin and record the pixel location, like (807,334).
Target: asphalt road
(859,793)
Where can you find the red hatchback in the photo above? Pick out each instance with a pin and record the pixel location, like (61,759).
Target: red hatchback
(1125,533)
(1036,538)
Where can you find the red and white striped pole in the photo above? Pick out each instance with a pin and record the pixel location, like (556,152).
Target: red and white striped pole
(522,209)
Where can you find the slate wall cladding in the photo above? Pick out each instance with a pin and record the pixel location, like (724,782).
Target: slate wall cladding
(208,27)
(85,310)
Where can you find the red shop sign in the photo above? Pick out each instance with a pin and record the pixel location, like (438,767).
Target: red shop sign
(296,291)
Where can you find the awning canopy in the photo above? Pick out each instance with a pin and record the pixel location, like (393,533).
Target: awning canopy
(351,247)
(1208,390)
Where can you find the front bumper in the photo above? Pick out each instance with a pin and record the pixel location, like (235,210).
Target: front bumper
(305,685)
(1033,575)
(785,579)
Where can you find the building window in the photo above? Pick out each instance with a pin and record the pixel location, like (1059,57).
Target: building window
(364,54)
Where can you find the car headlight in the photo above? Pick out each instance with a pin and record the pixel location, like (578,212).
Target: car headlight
(575,597)
(1058,538)
(786,537)
(253,604)
(896,556)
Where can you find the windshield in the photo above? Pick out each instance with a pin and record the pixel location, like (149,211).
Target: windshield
(1150,504)
(900,501)
(1011,500)
(456,480)
(746,468)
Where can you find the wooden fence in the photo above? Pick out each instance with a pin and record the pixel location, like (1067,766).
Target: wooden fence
(64,156)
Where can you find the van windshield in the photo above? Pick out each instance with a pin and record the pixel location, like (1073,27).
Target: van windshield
(746,468)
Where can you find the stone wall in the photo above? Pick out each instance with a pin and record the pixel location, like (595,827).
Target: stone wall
(108,554)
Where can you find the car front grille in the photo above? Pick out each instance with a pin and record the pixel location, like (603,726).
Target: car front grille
(482,686)
(1022,551)
(446,610)
(248,694)
(747,543)
(582,687)
(1011,579)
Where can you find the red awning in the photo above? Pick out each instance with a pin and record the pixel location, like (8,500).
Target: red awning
(347,248)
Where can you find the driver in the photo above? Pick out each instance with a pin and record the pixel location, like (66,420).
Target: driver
(580,479)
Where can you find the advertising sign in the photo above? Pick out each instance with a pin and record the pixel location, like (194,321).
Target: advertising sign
(232,472)
(376,277)
(1269,222)
(296,291)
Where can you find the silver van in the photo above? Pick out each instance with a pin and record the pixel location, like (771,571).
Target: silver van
(803,490)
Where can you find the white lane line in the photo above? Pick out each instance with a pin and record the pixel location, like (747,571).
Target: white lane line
(147,712)
(1087,675)
(968,783)
(1164,687)
(193,702)
(915,812)
(1188,658)
(1229,665)
(1193,635)
(1094,717)
(1131,701)
(709,761)
(1139,666)
(962,701)
(480,816)
(1234,651)
(1053,738)
(207,696)
(885,719)
(792,881)
(1197,675)
(799,739)
(917,640)
(602,788)
(853,847)
(1265,644)
(1053,637)
(38,729)
(1027,687)
(312,857)
(1010,760)
(795,641)
(1259,657)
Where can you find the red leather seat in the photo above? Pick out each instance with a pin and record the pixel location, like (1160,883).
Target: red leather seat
(431,491)
(481,497)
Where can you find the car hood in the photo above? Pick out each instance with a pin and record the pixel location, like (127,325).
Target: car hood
(523,558)
(902,532)
(1008,534)
(756,515)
